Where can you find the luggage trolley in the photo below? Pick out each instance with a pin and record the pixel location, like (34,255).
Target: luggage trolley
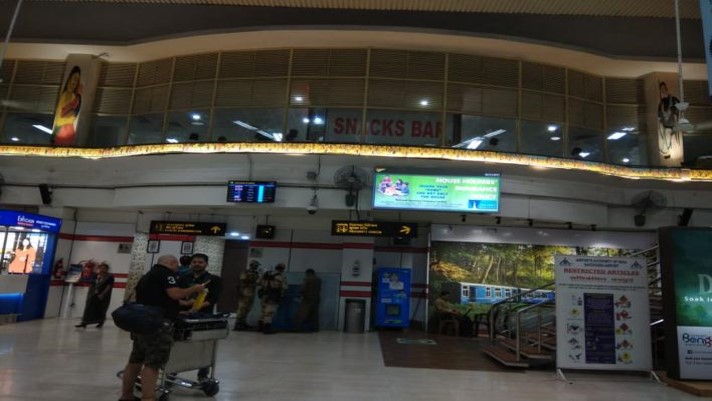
(195,347)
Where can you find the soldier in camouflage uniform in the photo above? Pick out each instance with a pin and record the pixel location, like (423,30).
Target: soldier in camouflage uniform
(248,286)
(272,288)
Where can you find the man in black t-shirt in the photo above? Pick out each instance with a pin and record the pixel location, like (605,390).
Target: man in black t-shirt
(150,352)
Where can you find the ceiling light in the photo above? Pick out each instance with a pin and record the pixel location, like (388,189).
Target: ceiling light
(628,129)
(555,138)
(474,144)
(43,128)
(318,121)
(626,160)
(245,125)
(616,135)
(171,140)
(424,102)
(552,128)
(234,234)
(298,99)
(277,136)
(195,117)
(305,120)
(15,139)
(584,154)
(245,237)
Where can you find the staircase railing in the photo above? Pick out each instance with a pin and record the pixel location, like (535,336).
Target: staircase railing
(495,307)
(518,325)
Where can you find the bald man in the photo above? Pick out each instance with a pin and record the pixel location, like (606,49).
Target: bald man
(158,287)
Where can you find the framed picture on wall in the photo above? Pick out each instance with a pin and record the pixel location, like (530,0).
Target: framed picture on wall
(154,246)
(186,247)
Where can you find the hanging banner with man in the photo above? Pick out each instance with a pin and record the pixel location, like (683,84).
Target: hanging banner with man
(662,95)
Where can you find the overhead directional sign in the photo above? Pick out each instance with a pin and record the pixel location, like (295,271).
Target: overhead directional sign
(374,229)
(188,228)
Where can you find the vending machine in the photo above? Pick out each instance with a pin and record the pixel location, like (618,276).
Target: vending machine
(392,303)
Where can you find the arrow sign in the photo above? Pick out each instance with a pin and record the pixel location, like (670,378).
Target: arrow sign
(188,228)
(374,229)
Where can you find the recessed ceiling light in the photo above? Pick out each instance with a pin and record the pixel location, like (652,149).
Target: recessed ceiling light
(245,237)
(555,138)
(424,102)
(318,120)
(584,154)
(628,129)
(616,136)
(298,99)
(552,128)
(43,128)
(171,140)
(245,125)
(234,234)
(305,120)
(626,160)
(15,139)
(195,117)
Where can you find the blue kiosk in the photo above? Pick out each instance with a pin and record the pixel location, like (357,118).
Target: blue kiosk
(392,297)
(27,245)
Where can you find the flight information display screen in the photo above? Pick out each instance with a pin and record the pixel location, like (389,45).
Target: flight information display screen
(251,191)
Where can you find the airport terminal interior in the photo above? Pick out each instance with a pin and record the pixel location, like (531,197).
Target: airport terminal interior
(501,199)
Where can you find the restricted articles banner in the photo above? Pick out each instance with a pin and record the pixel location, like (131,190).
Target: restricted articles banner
(602,313)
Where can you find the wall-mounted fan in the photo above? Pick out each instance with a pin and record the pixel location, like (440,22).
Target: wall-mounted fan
(352,179)
(646,203)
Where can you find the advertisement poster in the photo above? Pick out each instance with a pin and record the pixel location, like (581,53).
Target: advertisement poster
(687,301)
(76,97)
(662,94)
(602,313)
(474,194)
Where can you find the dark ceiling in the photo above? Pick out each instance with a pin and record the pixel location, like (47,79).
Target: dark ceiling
(120,24)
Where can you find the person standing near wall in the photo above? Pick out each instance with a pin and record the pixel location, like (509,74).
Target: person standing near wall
(248,286)
(272,288)
(308,313)
(98,297)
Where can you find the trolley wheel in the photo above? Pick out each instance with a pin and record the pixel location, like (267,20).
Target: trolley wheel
(163,397)
(211,387)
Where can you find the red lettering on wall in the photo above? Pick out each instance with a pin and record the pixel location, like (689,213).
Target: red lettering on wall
(339,126)
(352,126)
(416,129)
(400,127)
(374,128)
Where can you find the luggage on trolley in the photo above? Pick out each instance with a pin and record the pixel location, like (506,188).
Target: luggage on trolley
(196,337)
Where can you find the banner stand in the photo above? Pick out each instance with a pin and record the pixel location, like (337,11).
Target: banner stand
(560,375)
(654,376)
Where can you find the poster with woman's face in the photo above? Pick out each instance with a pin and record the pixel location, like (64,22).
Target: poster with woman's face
(76,95)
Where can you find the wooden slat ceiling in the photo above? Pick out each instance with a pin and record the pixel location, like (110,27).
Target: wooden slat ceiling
(603,8)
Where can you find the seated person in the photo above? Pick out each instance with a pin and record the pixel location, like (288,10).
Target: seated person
(446,311)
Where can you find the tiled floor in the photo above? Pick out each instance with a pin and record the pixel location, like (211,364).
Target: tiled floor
(51,360)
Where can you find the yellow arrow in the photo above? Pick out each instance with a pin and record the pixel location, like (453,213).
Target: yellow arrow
(405,230)
(215,229)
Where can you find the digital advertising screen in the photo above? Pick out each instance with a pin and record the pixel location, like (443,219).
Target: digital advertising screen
(446,193)
(251,191)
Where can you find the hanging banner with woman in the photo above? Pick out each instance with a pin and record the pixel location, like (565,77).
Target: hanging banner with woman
(76,97)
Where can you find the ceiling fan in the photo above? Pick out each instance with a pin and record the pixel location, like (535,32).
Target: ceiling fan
(474,143)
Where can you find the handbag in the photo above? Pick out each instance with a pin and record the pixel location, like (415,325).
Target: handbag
(138,318)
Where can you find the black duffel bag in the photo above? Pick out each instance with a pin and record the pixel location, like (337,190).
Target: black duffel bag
(138,318)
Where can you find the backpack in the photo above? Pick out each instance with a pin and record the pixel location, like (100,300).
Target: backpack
(138,318)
